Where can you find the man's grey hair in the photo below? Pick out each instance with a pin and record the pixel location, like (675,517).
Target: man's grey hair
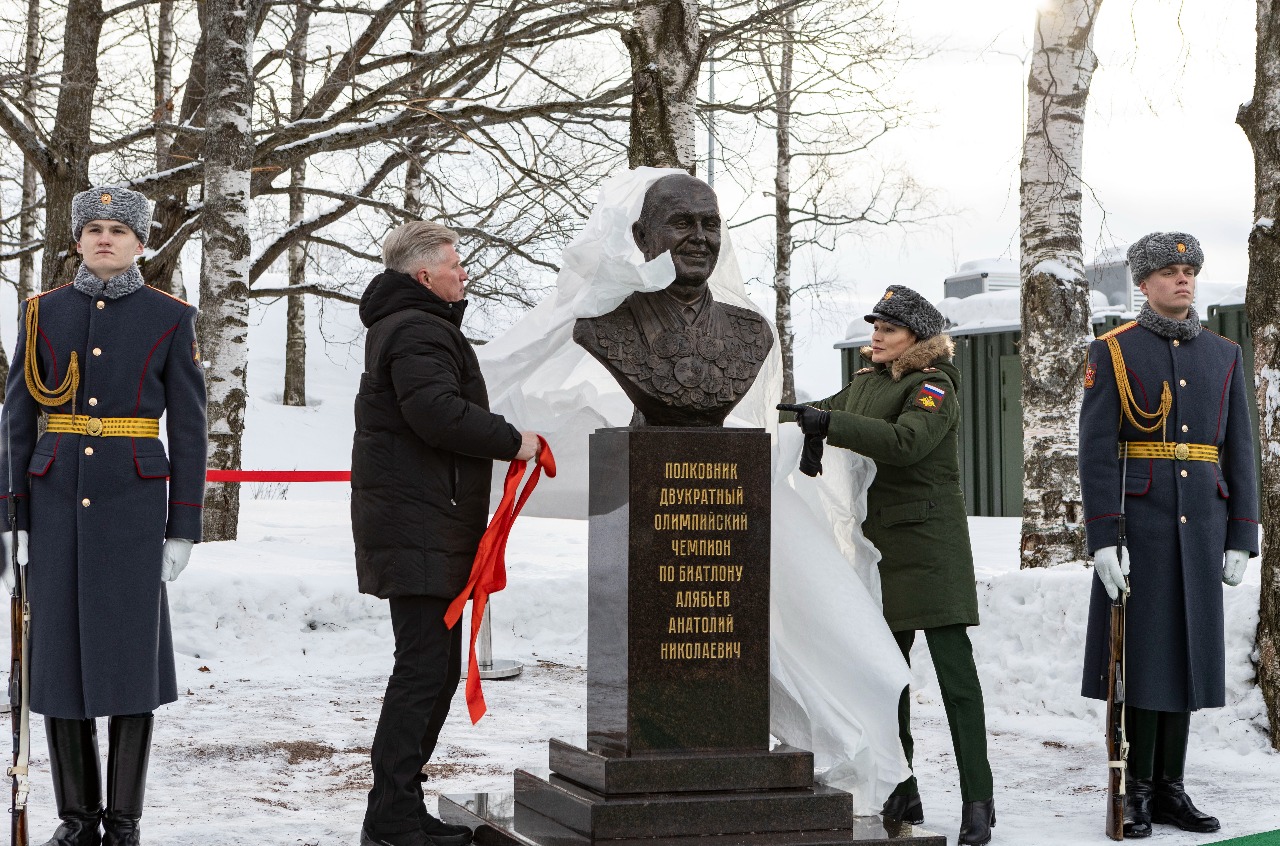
(415,245)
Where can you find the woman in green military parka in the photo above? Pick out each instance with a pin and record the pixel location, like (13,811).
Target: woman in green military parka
(902,413)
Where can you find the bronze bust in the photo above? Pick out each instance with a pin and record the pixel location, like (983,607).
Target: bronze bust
(682,358)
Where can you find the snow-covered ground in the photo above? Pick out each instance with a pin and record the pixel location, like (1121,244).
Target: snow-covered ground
(282,666)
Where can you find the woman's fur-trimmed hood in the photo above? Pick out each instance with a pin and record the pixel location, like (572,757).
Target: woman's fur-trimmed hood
(918,356)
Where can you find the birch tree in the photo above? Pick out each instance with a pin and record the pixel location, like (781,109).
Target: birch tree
(224,271)
(1260,120)
(295,343)
(666,46)
(28,214)
(1055,300)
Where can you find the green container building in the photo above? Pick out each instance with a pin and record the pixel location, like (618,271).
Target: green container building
(990,435)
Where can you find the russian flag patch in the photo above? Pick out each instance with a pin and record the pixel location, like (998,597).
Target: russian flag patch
(929,397)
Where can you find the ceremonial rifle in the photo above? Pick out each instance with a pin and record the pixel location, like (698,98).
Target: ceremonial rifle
(19,691)
(1117,742)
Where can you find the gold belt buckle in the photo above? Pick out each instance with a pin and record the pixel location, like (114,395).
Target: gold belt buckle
(1182,452)
(93,426)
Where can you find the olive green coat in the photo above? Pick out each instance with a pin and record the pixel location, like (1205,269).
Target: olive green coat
(904,418)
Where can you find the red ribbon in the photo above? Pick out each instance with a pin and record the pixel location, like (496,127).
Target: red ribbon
(489,569)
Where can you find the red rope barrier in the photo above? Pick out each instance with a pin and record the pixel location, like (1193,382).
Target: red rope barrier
(278,476)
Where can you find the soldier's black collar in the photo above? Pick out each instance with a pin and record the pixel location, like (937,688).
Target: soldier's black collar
(114,288)
(1168,327)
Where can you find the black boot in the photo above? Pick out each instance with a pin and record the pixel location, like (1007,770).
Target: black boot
(976,820)
(77,780)
(128,749)
(1137,813)
(1173,806)
(906,809)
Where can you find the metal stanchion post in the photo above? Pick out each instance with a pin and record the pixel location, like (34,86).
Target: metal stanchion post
(502,668)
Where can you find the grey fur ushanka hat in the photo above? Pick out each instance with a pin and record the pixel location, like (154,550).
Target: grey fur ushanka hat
(111,202)
(904,307)
(1161,249)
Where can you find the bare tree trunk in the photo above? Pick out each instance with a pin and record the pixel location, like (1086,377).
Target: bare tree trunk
(295,344)
(224,272)
(166,46)
(1260,119)
(165,271)
(413,174)
(28,218)
(69,143)
(1055,297)
(666,48)
(782,214)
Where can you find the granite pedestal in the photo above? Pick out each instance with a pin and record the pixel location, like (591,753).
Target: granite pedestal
(677,745)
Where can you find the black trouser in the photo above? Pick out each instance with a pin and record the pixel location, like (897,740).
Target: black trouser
(1157,742)
(428,666)
(962,699)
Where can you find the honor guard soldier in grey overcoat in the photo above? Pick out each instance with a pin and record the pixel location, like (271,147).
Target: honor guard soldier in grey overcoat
(1165,441)
(104,515)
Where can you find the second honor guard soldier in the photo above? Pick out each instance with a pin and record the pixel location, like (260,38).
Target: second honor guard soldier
(1165,427)
(109,516)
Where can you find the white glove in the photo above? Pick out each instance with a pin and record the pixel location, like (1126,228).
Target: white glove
(9,578)
(177,554)
(1112,571)
(1233,566)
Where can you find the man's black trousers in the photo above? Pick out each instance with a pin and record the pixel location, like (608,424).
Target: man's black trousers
(428,666)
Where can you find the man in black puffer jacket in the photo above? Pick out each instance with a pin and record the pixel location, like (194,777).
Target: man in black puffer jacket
(420,473)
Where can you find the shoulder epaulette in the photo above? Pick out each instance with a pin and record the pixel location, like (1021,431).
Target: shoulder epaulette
(1223,337)
(50,291)
(1123,327)
(865,370)
(928,370)
(167,294)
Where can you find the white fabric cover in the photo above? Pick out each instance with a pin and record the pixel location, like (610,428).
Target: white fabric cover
(836,673)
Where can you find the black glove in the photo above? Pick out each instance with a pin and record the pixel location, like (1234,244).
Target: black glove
(813,422)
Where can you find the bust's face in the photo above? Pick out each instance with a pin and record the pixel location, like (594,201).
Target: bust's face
(681,215)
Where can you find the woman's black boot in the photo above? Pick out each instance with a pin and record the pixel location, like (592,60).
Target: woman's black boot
(976,821)
(128,749)
(77,780)
(906,809)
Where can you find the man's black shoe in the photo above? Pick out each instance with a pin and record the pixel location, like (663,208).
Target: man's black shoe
(405,838)
(906,809)
(1172,806)
(1137,813)
(976,820)
(441,833)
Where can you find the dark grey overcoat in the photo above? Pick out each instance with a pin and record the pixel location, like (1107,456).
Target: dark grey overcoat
(1181,515)
(99,508)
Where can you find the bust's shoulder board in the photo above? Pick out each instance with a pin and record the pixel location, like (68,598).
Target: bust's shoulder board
(928,370)
(1123,327)
(865,370)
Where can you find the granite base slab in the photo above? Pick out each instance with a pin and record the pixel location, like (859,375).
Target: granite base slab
(680,814)
(496,823)
(611,774)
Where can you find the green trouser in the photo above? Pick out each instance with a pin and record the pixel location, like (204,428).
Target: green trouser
(1157,742)
(962,697)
